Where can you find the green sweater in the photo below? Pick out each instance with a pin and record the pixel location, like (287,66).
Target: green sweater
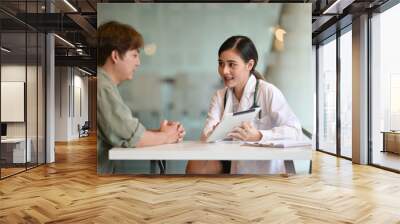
(117,127)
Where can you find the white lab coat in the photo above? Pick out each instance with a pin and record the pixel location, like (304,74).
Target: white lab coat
(277,121)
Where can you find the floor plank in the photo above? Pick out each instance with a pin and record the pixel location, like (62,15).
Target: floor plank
(69,191)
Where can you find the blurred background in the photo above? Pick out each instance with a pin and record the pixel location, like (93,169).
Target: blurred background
(178,73)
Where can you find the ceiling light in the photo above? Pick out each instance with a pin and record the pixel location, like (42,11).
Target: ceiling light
(65,41)
(5,50)
(84,71)
(70,5)
(337,7)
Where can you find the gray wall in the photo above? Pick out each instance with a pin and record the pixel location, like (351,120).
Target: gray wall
(290,69)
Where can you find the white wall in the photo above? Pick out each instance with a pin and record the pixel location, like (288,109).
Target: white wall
(61,87)
(70,84)
(17,73)
(80,109)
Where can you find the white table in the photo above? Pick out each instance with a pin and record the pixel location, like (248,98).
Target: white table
(192,150)
(19,155)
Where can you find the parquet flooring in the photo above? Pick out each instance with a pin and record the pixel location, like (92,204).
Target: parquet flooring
(10,171)
(69,191)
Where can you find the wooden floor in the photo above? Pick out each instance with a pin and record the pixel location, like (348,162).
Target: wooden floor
(69,191)
(386,159)
(10,171)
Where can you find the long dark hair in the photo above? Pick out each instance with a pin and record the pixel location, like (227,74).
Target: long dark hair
(246,49)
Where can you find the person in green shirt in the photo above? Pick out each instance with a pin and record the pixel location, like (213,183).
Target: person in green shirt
(118,59)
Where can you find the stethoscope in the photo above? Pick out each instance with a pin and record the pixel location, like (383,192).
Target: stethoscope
(255,105)
(226,164)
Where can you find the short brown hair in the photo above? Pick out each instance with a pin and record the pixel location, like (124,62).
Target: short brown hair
(116,36)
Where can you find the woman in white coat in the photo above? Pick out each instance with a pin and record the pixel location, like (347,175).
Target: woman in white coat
(244,89)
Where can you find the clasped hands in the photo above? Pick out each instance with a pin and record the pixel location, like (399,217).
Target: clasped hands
(173,130)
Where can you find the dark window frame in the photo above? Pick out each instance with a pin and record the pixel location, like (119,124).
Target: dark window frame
(382,8)
(334,37)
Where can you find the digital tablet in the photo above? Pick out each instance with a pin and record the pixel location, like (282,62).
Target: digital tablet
(230,121)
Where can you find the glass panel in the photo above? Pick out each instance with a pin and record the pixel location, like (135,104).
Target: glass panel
(22,61)
(345,93)
(327,96)
(41,99)
(13,86)
(31,97)
(314,71)
(386,89)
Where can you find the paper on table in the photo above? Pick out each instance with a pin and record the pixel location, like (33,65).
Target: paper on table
(281,143)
